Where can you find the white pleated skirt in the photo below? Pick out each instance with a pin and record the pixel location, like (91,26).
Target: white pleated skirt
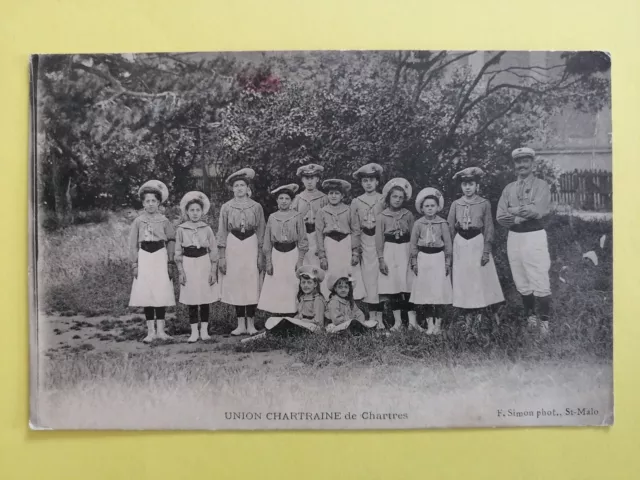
(311,258)
(241,285)
(153,287)
(367,270)
(400,278)
(197,290)
(474,286)
(339,259)
(432,286)
(278,294)
(273,323)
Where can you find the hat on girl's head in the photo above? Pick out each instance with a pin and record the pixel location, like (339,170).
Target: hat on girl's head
(523,152)
(336,184)
(155,186)
(429,192)
(311,170)
(198,196)
(368,170)
(245,174)
(469,174)
(398,182)
(333,278)
(311,271)
(291,188)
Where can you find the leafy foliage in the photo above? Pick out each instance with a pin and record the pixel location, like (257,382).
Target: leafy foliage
(109,122)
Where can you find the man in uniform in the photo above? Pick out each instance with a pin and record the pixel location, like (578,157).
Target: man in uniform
(522,208)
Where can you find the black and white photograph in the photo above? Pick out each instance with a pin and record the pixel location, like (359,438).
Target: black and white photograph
(321,240)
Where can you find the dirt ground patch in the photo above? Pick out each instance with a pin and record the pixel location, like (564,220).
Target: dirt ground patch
(61,335)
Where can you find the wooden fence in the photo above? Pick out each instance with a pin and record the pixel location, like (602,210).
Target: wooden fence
(585,190)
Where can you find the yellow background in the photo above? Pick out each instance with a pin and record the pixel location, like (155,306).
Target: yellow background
(65,26)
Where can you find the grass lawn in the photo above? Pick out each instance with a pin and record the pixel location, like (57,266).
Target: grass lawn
(96,373)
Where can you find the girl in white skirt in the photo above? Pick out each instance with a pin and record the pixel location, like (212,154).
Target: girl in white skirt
(240,237)
(285,245)
(342,310)
(364,211)
(393,232)
(197,261)
(475,280)
(431,259)
(337,247)
(310,308)
(308,203)
(151,243)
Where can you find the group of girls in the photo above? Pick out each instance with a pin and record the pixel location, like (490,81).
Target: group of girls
(316,256)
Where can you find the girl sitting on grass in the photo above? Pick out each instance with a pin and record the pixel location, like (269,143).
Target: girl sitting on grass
(197,260)
(431,258)
(342,310)
(151,243)
(310,307)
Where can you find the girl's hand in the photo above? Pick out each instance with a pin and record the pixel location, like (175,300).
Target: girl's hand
(269,269)
(213,278)
(183,278)
(383,267)
(260,264)
(447,269)
(355,259)
(298,264)
(415,269)
(135,271)
(485,259)
(324,264)
(222,265)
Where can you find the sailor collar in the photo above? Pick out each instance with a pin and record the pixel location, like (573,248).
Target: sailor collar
(241,204)
(476,201)
(438,219)
(375,198)
(401,213)
(283,216)
(311,196)
(188,225)
(156,218)
(336,210)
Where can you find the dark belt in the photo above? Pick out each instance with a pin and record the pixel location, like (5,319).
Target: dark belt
(469,233)
(528,226)
(430,250)
(195,252)
(369,231)
(308,317)
(152,247)
(337,236)
(240,235)
(391,238)
(310,227)
(284,247)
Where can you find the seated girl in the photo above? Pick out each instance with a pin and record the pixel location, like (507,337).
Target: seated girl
(310,308)
(342,310)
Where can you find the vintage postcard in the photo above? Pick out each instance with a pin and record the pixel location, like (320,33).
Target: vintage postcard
(321,240)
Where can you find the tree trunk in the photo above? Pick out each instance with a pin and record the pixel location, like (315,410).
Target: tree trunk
(61,180)
(204,163)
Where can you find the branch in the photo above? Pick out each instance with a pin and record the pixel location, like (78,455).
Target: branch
(493,119)
(461,111)
(533,67)
(195,67)
(121,90)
